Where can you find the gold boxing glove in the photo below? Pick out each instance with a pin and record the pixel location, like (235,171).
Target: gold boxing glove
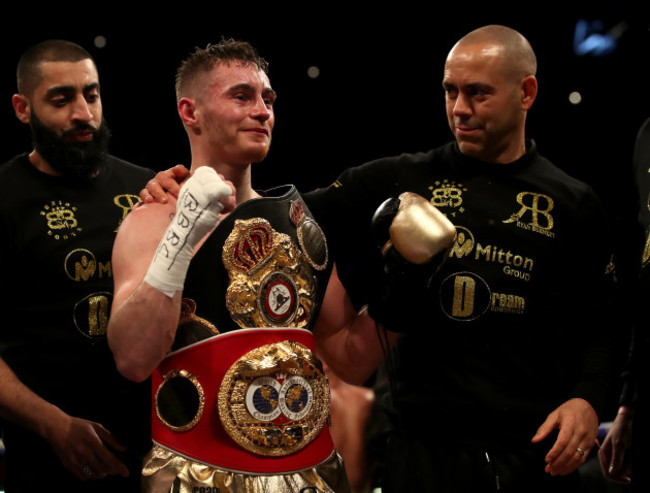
(418,231)
(414,238)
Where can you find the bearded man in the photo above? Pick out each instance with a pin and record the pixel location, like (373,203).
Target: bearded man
(70,421)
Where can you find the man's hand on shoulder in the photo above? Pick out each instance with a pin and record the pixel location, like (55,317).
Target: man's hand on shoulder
(165,182)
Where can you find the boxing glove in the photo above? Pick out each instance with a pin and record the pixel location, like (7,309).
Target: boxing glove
(414,238)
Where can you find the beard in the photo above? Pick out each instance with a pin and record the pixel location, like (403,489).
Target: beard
(78,160)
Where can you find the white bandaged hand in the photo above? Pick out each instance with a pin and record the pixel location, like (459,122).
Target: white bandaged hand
(197,213)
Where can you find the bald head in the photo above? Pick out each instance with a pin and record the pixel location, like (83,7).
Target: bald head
(490,84)
(517,54)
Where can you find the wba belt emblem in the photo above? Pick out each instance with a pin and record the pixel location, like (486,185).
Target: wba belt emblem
(271,283)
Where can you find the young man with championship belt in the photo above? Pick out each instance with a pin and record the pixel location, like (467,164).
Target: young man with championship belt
(221,297)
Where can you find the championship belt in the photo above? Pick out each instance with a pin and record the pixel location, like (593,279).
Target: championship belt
(251,400)
(268,259)
(254,398)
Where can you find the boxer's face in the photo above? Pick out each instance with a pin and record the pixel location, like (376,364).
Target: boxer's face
(236,112)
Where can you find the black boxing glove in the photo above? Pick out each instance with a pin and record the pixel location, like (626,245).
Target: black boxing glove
(414,238)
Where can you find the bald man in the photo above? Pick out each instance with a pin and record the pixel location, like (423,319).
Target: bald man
(504,363)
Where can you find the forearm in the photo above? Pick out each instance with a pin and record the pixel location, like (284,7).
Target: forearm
(141,330)
(151,256)
(348,340)
(356,351)
(597,372)
(22,406)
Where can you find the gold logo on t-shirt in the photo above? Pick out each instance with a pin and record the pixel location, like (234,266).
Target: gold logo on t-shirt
(446,194)
(91,314)
(464,244)
(81,265)
(126,202)
(646,251)
(60,220)
(536,209)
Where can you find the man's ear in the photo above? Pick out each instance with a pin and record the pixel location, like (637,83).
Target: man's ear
(21,107)
(529,91)
(187,111)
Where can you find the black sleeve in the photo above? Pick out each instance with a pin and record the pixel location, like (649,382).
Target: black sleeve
(344,210)
(639,350)
(599,331)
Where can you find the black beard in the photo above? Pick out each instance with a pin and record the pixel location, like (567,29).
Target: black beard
(78,160)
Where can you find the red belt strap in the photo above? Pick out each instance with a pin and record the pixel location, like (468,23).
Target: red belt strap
(207,441)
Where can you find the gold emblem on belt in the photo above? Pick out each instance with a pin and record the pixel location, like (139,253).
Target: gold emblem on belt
(275,399)
(271,284)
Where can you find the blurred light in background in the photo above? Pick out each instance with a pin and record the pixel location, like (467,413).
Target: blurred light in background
(575,97)
(100,41)
(590,37)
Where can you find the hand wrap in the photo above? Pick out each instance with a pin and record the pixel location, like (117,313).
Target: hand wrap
(197,213)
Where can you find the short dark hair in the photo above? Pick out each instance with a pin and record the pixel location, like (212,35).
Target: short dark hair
(28,73)
(203,60)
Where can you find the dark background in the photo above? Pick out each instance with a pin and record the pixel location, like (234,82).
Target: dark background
(379,90)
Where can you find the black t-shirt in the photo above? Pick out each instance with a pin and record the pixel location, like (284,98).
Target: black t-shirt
(636,378)
(513,326)
(55,259)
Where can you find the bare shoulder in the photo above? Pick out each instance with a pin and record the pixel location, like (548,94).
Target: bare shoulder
(141,231)
(147,220)
(135,245)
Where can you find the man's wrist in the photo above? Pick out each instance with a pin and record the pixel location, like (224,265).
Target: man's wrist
(625,410)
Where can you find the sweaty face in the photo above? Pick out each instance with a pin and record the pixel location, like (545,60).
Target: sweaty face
(65,116)
(483,106)
(236,113)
